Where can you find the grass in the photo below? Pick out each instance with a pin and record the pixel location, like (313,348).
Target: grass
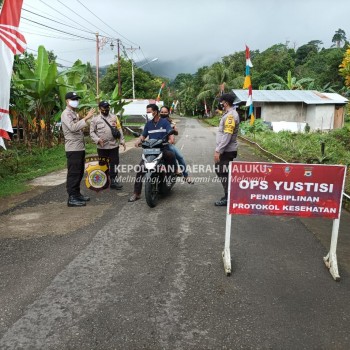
(306,147)
(214,121)
(18,165)
(301,147)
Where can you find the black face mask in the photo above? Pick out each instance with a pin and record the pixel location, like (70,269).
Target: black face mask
(105,112)
(164,115)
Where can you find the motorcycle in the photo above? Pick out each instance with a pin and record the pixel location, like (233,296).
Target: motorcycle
(157,179)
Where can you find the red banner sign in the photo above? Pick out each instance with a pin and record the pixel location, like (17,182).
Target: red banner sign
(305,190)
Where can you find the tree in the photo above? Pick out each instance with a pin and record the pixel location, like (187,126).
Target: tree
(146,84)
(276,60)
(291,83)
(339,37)
(304,52)
(186,93)
(323,68)
(345,68)
(215,81)
(40,92)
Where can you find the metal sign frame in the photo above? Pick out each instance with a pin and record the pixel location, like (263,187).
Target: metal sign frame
(330,259)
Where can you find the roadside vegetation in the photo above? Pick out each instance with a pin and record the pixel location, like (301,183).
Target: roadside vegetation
(311,148)
(39,85)
(19,165)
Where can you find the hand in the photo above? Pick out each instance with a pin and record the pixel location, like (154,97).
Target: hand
(137,143)
(124,145)
(216,157)
(90,113)
(101,142)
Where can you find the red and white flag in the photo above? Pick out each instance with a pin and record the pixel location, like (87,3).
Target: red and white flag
(12,42)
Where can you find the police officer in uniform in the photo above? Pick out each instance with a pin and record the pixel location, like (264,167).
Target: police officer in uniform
(75,148)
(107,145)
(226,143)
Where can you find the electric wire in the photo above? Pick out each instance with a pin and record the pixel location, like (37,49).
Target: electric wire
(58,30)
(105,23)
(50,36)
(65,24)
(64,15)
(85,19)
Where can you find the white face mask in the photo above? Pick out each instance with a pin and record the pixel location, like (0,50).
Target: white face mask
(74,103)
(150,116)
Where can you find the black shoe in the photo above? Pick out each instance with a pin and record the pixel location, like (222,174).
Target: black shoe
(221,203)
(83,198)
(74,201)
(116,186)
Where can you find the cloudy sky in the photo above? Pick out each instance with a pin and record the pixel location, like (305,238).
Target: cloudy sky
(183,34)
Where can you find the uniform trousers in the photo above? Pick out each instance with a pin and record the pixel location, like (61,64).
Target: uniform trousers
(76,167)
(113,155)
(222,168)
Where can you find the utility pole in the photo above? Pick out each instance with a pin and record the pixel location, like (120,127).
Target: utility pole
(97,63)
(119,79)
(132,50)
(100,43)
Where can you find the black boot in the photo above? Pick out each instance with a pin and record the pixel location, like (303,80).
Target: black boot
(115,185)
(83,198)
(74,201)
(222,202)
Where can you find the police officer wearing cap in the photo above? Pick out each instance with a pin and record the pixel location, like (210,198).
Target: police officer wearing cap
(75,148)
(107,144)
(226,143)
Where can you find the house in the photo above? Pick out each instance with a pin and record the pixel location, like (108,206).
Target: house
(135,110)
(293,109)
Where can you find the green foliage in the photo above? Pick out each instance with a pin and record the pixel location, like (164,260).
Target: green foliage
(214,121)
(18,165)
(258,126)
(146,84)
(275,61)
(279,67)
(307,148)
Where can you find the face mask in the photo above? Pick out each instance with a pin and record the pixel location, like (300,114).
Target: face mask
(164,115)
(74,103)
(150,116)
(105,112)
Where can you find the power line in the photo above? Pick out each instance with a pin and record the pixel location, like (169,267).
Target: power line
(58,30)
(83,18)
(64,15)
(50,36)
(105,23)
(65,24)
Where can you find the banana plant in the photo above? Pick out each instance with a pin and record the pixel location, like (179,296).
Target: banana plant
(41,91)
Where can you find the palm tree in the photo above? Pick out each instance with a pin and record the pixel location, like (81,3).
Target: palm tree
(291,83)
(186,94)
(215,82)
(339,37)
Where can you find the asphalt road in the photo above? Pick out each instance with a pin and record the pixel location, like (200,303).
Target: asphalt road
(119,275)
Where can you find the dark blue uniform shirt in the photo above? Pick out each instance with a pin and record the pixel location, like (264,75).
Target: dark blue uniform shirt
(156,130)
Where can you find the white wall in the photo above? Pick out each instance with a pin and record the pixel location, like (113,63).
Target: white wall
(320,117)
(288,112)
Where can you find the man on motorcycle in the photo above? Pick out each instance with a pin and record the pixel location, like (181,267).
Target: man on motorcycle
(155,128)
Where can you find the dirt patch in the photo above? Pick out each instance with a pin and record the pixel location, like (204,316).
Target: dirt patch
(48,220)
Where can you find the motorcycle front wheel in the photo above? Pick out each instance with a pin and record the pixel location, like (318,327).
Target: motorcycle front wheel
(151,192)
